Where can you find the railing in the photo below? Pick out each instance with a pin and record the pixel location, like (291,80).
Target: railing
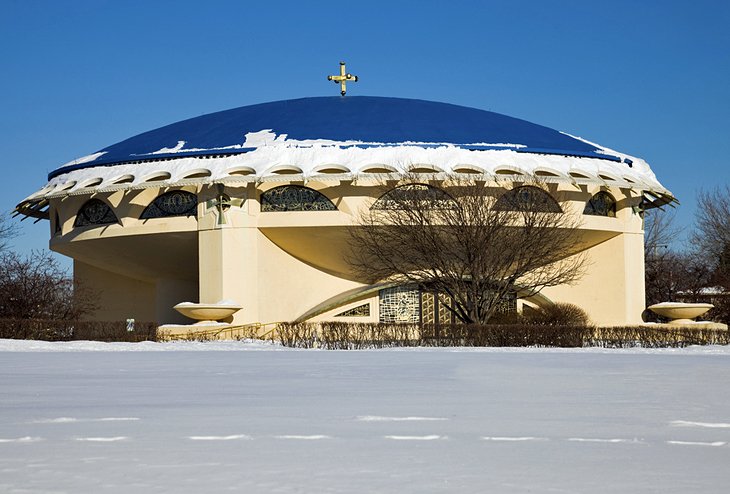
(238,332)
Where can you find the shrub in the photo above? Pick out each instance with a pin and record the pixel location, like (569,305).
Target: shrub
(721,311)
(66,330)
(511,317)
(114,331)
(559,314)
(354,336)
(648,337)
(295,334)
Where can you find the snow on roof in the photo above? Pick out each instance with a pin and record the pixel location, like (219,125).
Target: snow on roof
(357,121)
(346,136)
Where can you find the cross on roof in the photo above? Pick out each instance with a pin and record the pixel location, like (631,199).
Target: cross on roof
(342,78)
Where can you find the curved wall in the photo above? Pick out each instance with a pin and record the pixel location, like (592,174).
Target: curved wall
(280,265)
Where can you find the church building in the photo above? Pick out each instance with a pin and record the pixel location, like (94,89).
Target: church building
(252,206)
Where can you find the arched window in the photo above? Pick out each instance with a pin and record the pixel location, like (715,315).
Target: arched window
(174,203)
(295,198)
(95,212)
(527,198)
(601,204)
(415,195)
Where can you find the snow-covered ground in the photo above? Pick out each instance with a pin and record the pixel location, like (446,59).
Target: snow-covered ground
(86,417)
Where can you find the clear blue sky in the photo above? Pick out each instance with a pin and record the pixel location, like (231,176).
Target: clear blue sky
(646,78)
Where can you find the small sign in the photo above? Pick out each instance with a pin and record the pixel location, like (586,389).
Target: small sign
(130,325)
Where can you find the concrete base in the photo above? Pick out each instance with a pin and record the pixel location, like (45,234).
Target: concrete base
(214,331)
(687,325)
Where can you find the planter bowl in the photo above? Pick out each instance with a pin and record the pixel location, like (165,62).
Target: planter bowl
(678,312)
(206,313)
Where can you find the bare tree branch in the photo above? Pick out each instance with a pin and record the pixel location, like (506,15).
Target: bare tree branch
(8,230)
(659,232)
(711,237)
(35,287)
(473,242)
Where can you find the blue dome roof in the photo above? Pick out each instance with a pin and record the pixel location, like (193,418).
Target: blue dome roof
(360,118)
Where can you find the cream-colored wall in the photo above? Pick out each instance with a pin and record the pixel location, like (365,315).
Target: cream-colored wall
(119,297)
(170,292)
(288,287)
(612,289)
(280,265)
(241,264)
(228,270)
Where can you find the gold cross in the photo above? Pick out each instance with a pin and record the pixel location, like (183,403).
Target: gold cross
(342,78)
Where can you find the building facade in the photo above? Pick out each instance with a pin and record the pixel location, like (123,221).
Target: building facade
(253,206)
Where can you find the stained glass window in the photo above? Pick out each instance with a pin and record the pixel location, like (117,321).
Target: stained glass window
(400,304)
(415,195)
(95,212)
(174,203)
(359,311)
(601,204)
(527,198)
(295,198)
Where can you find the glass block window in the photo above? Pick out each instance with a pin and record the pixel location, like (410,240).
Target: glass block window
(359,311)
(415,195)
(295,198)
(527,198)
(400,304)
(445,316)
(428,308)
(95,212)
(601,204)
(174,203)
(433,310)
(508,304)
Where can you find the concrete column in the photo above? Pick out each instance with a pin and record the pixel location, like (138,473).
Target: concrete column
(633,246)
(612,289)
(227,269)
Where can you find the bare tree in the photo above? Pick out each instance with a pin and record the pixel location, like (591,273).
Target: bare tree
(660,232)
(35,287)
(471,243)
(7,231)
(676,276)
(671,274)
(660,260)
(712,232)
